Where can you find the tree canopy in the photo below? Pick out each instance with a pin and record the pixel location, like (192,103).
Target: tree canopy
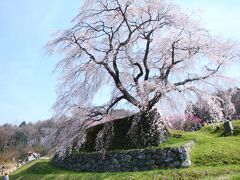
(143,50)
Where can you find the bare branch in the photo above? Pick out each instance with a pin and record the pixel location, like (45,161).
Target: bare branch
(198,78)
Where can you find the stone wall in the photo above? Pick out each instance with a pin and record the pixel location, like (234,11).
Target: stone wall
(130,160)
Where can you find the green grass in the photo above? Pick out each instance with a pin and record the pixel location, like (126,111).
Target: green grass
(213,156)
(42,169)
(211,146)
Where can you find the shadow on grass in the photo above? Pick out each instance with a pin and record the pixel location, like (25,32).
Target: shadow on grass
(42,167)
(38,168)
(45,170)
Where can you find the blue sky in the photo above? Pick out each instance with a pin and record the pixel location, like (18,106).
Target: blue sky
(27,85)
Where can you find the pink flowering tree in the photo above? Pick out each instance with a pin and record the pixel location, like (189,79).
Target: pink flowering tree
(214,108)
(140,51)
(187,122)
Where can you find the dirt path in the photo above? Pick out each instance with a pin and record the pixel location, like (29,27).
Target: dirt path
(11,167)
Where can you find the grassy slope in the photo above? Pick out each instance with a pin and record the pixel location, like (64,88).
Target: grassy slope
(211,147)
(213,155)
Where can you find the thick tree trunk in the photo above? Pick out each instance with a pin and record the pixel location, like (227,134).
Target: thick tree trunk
(138,131)
(147,129)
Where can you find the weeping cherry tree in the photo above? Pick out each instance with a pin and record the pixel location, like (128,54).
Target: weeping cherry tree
(140,51)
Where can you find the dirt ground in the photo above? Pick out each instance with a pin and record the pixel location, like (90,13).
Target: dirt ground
(12,166)
(9,167)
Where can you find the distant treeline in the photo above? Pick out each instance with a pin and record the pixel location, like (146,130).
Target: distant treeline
(42,137)
(15,141)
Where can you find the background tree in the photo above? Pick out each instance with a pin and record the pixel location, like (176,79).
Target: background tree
(219,107)
(236,101)
(228,107)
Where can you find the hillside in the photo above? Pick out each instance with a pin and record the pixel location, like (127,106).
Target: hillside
(15,141)
(213,156)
